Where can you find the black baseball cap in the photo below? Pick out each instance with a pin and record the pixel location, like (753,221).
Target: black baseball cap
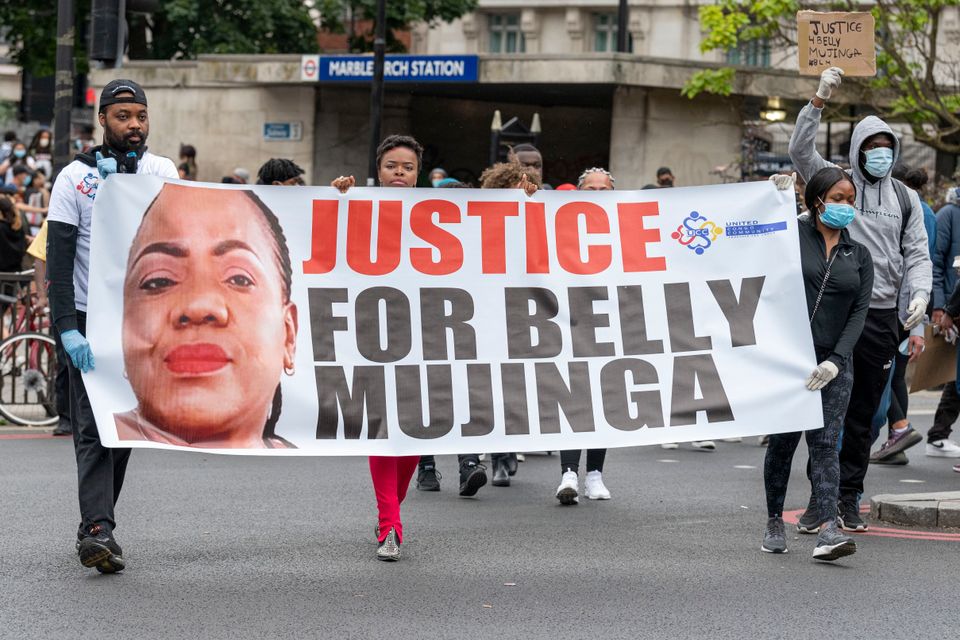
(111,93)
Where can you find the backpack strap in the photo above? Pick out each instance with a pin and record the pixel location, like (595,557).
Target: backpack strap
(906,208)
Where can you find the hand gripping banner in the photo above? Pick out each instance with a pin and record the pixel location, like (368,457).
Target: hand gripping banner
(296,320)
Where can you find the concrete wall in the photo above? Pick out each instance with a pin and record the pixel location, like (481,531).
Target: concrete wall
(651,128)
(224,122)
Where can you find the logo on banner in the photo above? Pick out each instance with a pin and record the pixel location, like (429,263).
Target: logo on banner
(697,233)
(744,228)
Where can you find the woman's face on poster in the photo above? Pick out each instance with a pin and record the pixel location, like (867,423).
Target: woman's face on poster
(207,328)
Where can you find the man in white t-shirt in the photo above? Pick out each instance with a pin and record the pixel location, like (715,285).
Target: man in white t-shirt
(100,471)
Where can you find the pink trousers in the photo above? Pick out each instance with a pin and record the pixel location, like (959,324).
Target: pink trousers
(391,478)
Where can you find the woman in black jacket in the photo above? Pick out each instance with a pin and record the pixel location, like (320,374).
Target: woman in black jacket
(838,279)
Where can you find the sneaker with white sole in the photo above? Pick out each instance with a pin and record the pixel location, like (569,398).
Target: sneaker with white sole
(593,487)
(733,439)
(943,449)
(669,445)
(774,537)
(833,544)
(567,492)
(704,445)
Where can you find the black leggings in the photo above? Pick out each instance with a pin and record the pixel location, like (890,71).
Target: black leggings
(570,460)
(822,443)
(898,387)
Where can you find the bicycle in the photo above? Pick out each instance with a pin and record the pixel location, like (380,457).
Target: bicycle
(28,360)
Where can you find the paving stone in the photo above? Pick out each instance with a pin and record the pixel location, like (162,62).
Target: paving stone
(914,513)
(949,514)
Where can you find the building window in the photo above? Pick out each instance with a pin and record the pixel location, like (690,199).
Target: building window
(505,34)
(753,53)
(605,29)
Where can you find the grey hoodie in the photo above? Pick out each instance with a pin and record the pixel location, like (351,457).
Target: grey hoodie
(878,221)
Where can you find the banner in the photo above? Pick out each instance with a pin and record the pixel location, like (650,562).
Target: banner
(296,320)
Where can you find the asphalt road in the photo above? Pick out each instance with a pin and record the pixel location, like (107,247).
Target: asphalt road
(226,547)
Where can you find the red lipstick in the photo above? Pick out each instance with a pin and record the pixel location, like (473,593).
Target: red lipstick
(196,359)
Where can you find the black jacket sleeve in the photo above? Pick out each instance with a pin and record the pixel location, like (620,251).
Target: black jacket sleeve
(61,253)
(953,304)
(858,314)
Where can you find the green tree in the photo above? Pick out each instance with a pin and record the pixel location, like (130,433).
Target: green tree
(340,16)
(183,29)
(30,28)
(917,81)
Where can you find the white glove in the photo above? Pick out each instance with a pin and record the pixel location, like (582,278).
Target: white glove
(784,182)
(915,313)
(822,375)
(829,80)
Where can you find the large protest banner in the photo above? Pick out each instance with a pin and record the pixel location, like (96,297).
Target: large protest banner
(281,320)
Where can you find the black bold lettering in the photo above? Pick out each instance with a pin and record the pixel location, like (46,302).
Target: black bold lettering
(739,313)
(516,416)
(553,396)
(481,401)
(440,401)
(323,323)
(435,323)
(368,391)
(683,336)
(584,322)
(397,319)
(633,323)
(520,322)
(630,410)
(688,371)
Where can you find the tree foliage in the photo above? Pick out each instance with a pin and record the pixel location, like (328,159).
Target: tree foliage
(187,28)
(30,28)
(918,70)
(340,16)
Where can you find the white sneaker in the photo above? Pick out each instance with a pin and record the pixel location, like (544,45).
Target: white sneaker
(704,445)
(669,445)
(943,449)
(593,487)
(733,439)
(567,492)
(521,457)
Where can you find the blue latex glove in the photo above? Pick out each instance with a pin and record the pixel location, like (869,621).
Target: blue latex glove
(78,349)
(106,166)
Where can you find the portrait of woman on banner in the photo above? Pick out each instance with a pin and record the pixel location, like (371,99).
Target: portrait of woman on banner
(209,327)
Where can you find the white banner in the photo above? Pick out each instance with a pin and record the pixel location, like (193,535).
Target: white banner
(281,320)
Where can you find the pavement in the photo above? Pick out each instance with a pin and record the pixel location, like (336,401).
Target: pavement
(246,547)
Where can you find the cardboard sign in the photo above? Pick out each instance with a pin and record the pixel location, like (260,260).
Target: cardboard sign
(836,39)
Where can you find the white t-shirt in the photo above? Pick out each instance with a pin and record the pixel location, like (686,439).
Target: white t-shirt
(71,202)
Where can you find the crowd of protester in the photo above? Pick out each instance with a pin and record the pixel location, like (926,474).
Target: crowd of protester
(878,265)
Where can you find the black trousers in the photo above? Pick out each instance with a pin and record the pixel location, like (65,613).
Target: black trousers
(823,467)
(872,359)
(570,459)
(62,384)
(100,470)
(463,458)
(899,399)
(947,413)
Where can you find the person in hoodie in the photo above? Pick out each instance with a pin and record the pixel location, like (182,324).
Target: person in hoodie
(939,444)
(897,240)
(100,471)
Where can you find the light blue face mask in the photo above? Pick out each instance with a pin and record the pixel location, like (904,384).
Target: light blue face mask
(878,161)
(19,153)
(837,215)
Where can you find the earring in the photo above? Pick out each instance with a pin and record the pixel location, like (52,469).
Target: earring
(289,370)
